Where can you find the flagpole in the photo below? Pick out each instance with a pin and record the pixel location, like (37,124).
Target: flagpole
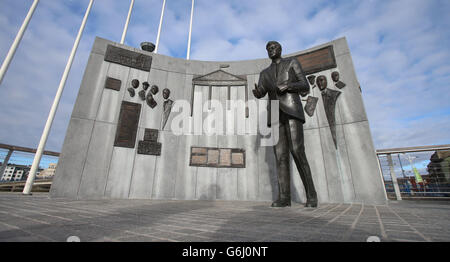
(17,40)
(125,29)
(48,124)
(160,25)
(190,32)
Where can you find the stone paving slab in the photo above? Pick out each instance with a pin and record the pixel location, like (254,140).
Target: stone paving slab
(40,218)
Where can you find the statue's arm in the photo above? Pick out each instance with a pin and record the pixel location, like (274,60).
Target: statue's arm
(260,91)
(299,84)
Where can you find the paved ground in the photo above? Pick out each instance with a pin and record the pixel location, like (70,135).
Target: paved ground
(38,218)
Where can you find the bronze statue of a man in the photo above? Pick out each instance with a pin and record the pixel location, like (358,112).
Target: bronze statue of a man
(284,81)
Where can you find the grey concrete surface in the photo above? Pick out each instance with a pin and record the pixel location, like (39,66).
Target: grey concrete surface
(40,218)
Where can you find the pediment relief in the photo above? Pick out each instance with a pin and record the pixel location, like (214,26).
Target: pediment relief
(220,78)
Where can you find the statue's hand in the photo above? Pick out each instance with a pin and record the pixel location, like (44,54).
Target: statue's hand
(256,92)
(282,89)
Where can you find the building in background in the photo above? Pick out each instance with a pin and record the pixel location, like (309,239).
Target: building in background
(48,172)
(15,173)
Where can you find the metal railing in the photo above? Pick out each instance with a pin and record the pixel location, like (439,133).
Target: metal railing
(416,172)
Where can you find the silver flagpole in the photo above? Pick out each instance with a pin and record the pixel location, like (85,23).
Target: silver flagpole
(190,32)
(125,29)
(48,124)
(159,28)
(16,42)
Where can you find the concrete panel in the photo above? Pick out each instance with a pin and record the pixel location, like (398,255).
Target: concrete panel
(166,167)
(248,178)
(176,65)
(227,182)
(120,172)
(159,62)
(186,180)
(247,67)
(100,45)
(340,46)
(365,174)
(344,167)
(95,171)
(268,185)
(73,156)
(351,103)
(314,154)
(143,174)
(109,108)
(196,68)
(331,167)
(91,89)
(151,117)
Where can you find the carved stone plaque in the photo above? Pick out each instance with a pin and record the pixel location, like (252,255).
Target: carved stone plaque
(199,160)
(318,60)
(238,158)
(112,83)
(128,58)
(199,150)
(225,157)
(217,157)
(149,148)
(151,135)
(127,125)
(213,157)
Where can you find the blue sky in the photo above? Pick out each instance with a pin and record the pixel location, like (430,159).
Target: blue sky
(400,50)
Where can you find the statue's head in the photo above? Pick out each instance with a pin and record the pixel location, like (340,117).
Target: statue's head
(154,89)
(166,93)
(335,76)
(273,49)
(135,83)
(321,82)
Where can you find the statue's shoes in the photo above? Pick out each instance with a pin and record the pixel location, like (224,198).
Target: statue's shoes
(281,203)
(311,203)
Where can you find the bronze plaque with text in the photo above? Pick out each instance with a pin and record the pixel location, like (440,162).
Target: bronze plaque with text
(128,58)
(318,60)
(112,83)
(128,125)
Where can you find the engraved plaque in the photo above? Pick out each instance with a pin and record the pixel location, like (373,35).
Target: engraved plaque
(225,157)
(151,135)
(127,125)
(112,83)
(128,58)
(149,148)
(318,60)
(237,159)
(217,157)
(198,160)
(213,157)
(199,150)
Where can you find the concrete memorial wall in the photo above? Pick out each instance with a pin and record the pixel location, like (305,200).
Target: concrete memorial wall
(120,145)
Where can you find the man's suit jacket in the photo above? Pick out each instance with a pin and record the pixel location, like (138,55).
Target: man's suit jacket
(287,73)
